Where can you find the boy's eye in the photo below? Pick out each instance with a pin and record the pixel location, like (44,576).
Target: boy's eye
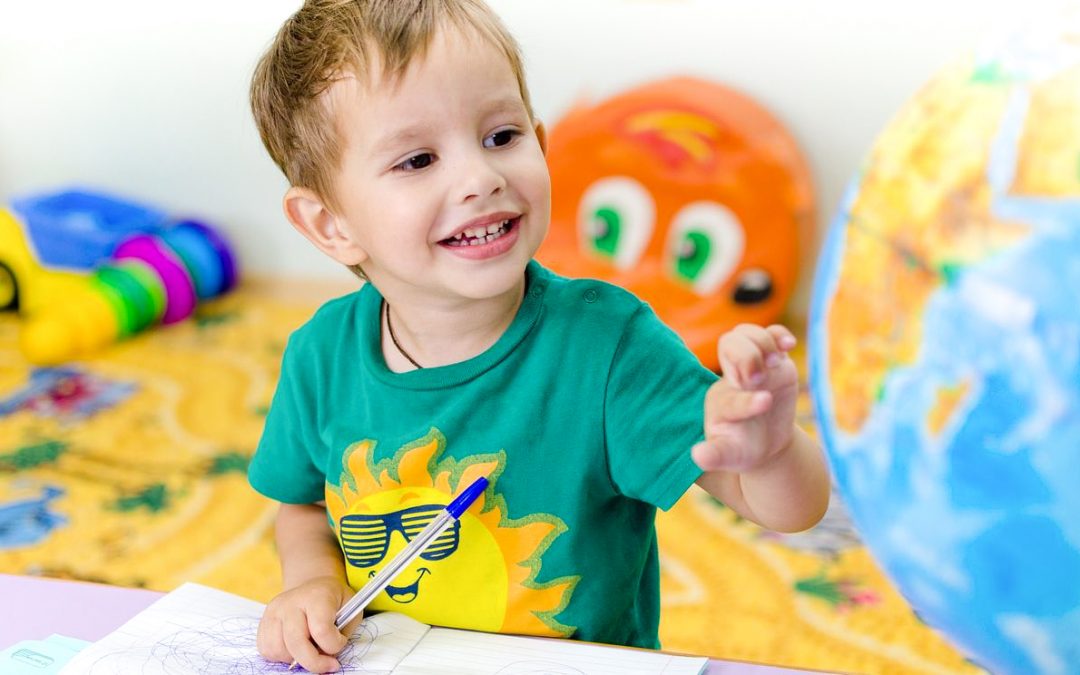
(415,162)
(500,138)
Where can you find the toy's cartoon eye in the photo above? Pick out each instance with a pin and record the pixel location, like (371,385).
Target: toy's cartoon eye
(705,244)
(615,220)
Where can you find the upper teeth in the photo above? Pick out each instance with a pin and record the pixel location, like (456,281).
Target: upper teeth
(481,231)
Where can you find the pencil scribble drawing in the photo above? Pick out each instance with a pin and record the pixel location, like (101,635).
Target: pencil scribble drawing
(197,629)
(226,648)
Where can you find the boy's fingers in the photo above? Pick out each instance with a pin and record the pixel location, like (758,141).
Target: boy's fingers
(741,360)
(784,338)
(295,636)
(268,640)
(301,649)
(727,404)
(350,627)
(748,351)
(720,455)
(771,342)
(326,637)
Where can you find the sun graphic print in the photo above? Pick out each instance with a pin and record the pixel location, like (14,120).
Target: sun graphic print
(480,574)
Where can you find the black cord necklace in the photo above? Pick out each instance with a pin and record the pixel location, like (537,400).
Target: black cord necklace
(393,338)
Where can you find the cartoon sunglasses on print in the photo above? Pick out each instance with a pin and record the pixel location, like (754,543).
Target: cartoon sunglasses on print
(365,539)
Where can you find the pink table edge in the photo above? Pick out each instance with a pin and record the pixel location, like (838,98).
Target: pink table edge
(35,607)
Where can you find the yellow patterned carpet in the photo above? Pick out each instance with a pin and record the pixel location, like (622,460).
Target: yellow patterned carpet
(128,468)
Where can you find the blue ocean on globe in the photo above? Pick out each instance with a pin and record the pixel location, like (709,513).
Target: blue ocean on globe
(978,523)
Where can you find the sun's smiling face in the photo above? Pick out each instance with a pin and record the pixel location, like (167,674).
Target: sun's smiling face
(379,526)
(479,574)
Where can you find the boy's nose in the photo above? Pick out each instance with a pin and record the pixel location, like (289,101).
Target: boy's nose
(479,177)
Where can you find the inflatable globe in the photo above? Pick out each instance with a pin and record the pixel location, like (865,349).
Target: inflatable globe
(944,351)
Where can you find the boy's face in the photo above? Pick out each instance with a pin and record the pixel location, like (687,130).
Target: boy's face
(443,188)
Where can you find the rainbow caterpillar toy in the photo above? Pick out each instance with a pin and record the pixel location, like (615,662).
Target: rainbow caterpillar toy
(151,279)
(154,276)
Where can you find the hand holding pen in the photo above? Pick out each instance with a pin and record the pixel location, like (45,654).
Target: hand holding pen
(417,544)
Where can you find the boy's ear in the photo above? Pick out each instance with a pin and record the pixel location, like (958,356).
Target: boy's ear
(541,135)
(311,218)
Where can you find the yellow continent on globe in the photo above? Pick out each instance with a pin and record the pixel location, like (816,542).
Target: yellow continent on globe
(922,210)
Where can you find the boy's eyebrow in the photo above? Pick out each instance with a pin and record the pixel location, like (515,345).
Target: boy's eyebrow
(399,136)
(404,135)
(506,104)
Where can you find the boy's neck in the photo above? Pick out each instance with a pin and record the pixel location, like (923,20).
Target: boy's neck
(439,334)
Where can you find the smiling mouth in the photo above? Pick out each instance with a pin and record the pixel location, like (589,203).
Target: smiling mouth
(480,236)
(405,594)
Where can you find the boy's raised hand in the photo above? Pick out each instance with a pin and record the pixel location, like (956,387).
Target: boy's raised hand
(298,625)
(750,411)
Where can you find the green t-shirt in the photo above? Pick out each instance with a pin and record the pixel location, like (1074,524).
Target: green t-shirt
(582,416)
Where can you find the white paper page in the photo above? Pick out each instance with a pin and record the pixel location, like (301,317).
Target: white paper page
(197,629)
(451,651)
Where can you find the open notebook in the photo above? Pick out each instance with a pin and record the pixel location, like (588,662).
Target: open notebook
(196,629)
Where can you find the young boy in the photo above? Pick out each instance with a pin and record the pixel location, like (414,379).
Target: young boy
(405,130)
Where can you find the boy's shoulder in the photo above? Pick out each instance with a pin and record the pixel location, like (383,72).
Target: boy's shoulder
(591,309)
(592,295)
(334,320)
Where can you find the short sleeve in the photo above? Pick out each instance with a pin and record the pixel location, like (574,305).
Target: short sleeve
(654,412)
(283,467)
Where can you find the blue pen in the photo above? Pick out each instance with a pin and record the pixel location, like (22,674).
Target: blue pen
(416,546)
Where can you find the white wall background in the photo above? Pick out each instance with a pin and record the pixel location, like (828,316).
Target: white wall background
(147,98)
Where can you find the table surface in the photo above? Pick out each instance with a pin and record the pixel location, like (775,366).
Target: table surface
(32,608)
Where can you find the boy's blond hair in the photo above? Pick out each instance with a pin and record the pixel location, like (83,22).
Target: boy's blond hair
(326,39)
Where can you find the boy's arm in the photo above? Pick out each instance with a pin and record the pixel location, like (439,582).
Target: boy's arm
(298,624)
(306,545)
(788,494)
(756,459)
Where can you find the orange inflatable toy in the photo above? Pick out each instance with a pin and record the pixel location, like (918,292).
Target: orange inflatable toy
(690,195)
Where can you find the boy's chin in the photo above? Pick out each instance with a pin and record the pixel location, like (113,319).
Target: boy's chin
(484,282)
